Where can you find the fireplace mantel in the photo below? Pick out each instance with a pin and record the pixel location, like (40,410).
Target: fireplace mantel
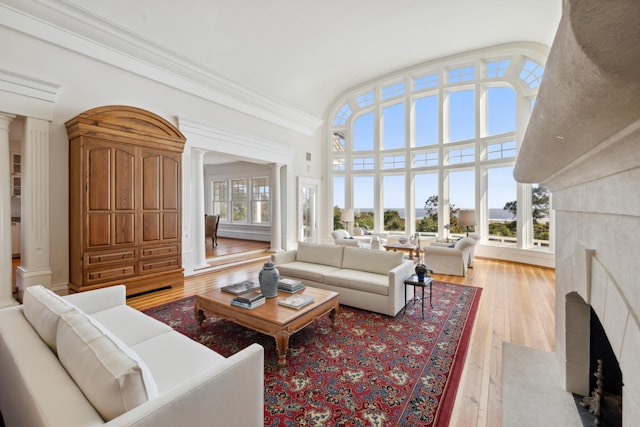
(583,142)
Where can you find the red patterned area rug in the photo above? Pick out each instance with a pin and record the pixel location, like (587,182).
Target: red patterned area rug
(367,370)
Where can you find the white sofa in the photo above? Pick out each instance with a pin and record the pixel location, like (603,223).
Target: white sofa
(370,280)
(451,259)
(88,359)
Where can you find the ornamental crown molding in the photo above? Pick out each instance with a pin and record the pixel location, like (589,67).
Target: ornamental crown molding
(213,138)
(64,24)
(28,96)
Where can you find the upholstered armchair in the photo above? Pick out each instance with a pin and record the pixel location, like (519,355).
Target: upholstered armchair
(449,260)
(342,237)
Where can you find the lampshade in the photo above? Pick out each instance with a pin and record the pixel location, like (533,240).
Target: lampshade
(467,218)
(346,215)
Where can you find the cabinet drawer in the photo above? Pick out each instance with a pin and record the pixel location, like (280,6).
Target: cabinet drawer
(93,259)
(109,274)
(156,251)
(157,265)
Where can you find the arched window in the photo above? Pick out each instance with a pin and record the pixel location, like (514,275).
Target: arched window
(409,151)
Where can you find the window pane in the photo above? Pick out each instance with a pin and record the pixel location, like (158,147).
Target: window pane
(220,199)
(501,150)
(363,200)
(363,133)
(393,120)
(239,199)
(532,74)
(338,200)
(421,160)
(394,203)
(338,191)
(425,82)
(462,74)
(338,164)
(497,68)
(338,141)
(426,187)
(462,190)
(343,114)
(501,110)
(260,200)
(393,162)
(366,99)
(540,204)
(426,121)
(393,90)
(462,155)
(461,115)
(363,163)
(501,194)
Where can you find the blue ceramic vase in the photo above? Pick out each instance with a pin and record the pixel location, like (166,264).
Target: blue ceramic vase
(421,270)
(269,277)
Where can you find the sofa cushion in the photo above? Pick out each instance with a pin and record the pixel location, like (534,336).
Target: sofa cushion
(320,254)
(305,270)
(118,321)
(112,377)
(378,262)
(372,283)
(173,358)
(43,308)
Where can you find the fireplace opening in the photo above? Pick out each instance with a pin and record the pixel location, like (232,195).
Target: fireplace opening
(603,366)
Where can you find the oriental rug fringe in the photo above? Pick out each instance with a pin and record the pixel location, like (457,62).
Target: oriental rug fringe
(366,370)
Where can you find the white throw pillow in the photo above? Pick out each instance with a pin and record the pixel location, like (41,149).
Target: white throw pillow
(43,308)
(111,375)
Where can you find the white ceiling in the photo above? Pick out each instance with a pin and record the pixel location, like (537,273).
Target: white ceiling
(306,53)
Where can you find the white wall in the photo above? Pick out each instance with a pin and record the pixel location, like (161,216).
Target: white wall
(86,83)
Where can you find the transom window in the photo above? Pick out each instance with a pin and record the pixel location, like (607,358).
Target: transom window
(438,140)
(393,90)
(425,82)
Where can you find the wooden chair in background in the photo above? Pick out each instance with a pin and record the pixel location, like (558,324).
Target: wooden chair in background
(211,228)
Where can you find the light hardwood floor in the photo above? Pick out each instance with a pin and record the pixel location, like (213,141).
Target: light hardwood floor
(517,306)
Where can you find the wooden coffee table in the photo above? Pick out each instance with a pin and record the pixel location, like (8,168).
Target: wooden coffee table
(271,318)
(408,248)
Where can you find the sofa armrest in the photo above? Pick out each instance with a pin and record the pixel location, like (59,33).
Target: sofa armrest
(99,299)
(231,395)
(441,251)
(397,277)
(284,257)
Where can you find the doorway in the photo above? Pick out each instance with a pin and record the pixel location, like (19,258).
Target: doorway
(307,209)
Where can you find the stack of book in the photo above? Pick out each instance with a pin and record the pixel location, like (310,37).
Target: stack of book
(290,285)
(296,301)
(241,287)
(249,300)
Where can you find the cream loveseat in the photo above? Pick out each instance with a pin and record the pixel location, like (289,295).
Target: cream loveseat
(90,360)
(366,279)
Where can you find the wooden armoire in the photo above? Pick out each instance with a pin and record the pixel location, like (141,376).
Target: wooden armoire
(124,200)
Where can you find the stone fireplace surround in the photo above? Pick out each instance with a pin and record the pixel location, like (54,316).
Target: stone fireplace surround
(583,142)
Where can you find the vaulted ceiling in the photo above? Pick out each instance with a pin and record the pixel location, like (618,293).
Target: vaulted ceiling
(305,53)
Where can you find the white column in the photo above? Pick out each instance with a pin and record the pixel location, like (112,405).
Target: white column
(6,293)
(197,219)
(276,228)
(35,268)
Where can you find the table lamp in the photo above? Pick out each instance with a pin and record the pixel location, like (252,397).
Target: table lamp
(467,218)
(347,217)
